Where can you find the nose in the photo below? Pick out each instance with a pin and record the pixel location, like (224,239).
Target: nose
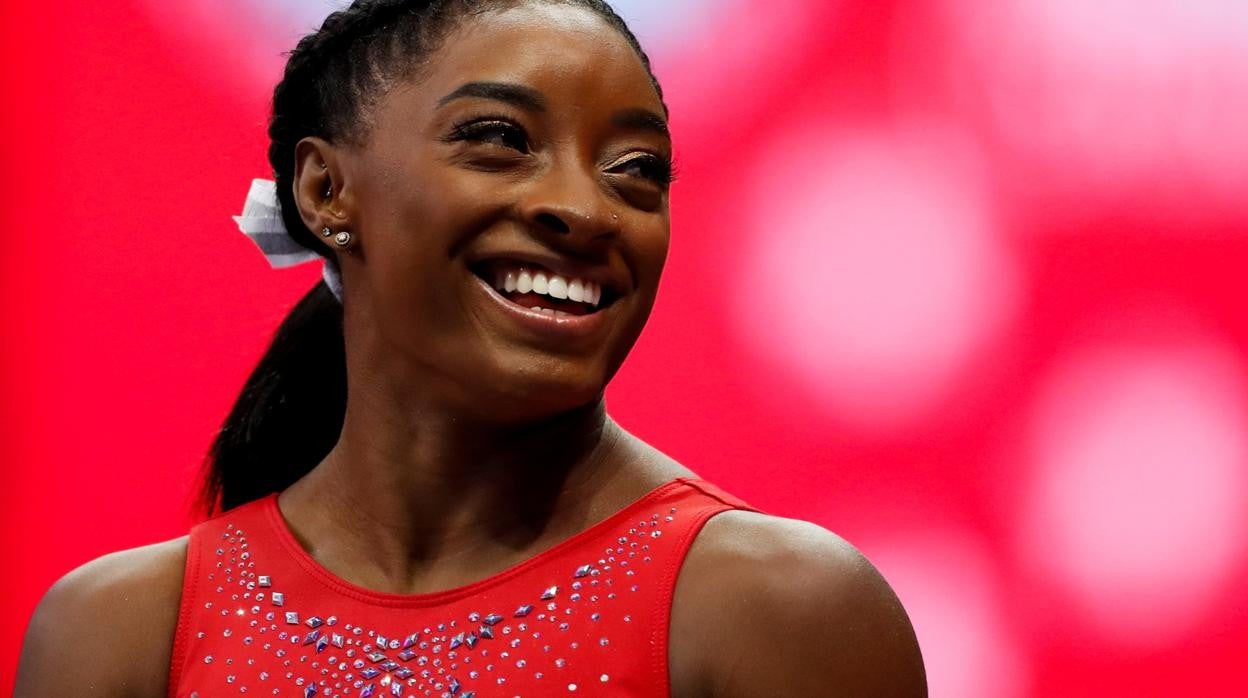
(569,200)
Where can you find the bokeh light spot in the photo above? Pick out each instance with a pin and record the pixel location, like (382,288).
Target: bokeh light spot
(1137,507)
(1116,94)
(873,273)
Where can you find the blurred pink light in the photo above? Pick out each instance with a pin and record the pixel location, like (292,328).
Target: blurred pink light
(1117,94)
(945,580)
(238,37)
(1137,507)
(874,273)
(738,48)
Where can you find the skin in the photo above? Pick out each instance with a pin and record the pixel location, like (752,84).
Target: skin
(469,445)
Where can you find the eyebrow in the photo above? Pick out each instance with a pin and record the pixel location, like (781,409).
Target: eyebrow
(519,95)
(637,119)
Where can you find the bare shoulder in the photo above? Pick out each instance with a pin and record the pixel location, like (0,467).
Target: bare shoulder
(772,606)
(124,607)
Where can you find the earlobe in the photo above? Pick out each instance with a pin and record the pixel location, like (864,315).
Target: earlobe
(318,184)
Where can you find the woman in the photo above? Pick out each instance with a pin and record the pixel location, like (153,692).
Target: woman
(422,491)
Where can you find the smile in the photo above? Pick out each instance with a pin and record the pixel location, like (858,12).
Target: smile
(544,300)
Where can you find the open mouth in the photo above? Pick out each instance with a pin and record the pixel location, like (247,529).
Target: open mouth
(531,286)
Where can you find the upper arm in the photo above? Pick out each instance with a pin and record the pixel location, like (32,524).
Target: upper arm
(106,628)
(792,609)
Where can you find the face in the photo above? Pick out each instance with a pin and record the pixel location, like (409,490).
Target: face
(531,144)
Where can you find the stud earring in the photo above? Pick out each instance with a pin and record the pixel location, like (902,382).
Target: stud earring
(326,231)
(343,239)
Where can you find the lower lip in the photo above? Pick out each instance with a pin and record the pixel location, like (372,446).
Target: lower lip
(558,326)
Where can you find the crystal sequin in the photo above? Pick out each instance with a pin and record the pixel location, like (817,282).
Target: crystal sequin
(439,660)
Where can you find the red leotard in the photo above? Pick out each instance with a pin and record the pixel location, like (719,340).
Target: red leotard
(588,617)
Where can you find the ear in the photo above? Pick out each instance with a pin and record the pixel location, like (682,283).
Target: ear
(320,190)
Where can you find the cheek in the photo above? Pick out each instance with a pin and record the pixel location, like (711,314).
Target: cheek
(421,285)
(650,248)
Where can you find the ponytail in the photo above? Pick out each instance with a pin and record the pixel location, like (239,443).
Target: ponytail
(290,412)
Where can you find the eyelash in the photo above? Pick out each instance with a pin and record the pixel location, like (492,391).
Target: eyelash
(476,130)
(658,169)
(654,168)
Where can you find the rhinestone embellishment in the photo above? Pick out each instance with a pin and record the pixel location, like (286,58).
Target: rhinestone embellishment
(324,656)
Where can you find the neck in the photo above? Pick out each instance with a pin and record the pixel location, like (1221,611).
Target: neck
(423,502)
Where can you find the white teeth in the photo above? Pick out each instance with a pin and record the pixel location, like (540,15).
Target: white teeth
(558,287)
(522,280)
(550,311)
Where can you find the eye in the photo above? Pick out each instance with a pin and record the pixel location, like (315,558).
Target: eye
(494,131)
(652,167)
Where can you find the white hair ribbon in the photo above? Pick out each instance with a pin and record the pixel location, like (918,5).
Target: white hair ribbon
(262,222)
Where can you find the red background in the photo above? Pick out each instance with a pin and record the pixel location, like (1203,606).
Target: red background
(964,285)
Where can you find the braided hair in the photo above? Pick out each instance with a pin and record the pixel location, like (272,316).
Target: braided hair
(291,409)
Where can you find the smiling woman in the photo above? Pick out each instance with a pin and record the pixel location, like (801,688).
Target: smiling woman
(419,491)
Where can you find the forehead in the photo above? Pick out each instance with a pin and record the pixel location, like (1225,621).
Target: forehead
(556,49)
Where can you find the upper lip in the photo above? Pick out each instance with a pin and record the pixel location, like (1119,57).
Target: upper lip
(603,275)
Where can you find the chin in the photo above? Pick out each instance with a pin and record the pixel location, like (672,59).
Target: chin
(533,393)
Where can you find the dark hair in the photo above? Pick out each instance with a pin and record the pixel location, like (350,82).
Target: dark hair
(291,409)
